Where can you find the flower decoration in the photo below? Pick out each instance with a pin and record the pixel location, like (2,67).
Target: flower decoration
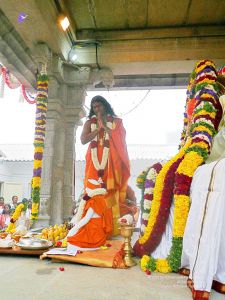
(39,138)
(100,166)
(13,83)
(148,184)
(202,116)
(12,225)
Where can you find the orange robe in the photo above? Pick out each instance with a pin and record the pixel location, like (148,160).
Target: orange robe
(95,233)
(116,175)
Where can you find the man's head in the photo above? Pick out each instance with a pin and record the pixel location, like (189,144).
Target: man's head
(2,201)
(14,199)
(99,105)
(7,208)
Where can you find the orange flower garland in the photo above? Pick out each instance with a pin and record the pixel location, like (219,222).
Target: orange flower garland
(200,128)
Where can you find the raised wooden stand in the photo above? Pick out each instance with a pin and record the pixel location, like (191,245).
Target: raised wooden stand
(18,251)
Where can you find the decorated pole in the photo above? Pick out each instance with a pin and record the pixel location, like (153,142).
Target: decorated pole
(39,138)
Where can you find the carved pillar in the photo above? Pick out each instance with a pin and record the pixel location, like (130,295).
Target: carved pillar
(53,159)
(65,109)
(73,114)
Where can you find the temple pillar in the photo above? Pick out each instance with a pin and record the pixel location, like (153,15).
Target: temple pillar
(73,114)
(65,109)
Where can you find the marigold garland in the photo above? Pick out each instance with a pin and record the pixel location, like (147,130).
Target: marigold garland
(146,182)
(200,125)
(40,124)
(15,217)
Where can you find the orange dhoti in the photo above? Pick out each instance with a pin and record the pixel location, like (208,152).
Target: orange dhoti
(95,233)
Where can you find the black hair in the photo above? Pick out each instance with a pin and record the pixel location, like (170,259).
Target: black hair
(2,198)
(14,196)
(3,212)
(108,108)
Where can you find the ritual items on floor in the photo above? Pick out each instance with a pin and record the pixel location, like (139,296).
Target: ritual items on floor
(33,243)
(7,242)
(171,194)
(56,234)
(111,257)
(126,232)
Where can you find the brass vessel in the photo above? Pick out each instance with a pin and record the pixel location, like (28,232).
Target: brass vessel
(126,233)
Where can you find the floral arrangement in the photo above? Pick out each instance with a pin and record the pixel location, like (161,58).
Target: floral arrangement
(99,166)
(13,83)
(147,178)
(40,124)
(174,180)
(11,227)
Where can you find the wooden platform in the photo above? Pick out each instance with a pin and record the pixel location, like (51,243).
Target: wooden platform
(18,251)
(110,258)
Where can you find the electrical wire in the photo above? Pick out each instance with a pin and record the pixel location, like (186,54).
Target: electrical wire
(137,105)
(129,111)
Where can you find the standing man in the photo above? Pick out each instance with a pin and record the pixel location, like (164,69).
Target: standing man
(14,202)
(106,176)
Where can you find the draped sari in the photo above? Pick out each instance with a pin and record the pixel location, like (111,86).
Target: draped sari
(109,206)
(117,171)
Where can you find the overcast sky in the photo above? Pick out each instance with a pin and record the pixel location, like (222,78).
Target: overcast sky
(156,120)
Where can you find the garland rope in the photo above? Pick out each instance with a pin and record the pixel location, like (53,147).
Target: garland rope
(39,138)
(13,83)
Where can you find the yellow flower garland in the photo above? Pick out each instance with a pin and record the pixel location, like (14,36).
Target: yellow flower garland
(15,217)
(159,185)
(162,266)
(144,260)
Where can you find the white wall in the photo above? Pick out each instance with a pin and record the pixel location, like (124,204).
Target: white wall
(137,166)
(16,178)
(20,172)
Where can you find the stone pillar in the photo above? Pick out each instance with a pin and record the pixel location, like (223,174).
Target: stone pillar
(73,114)
(65,109)
(53,159)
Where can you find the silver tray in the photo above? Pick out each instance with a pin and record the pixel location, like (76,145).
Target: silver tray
(34,244)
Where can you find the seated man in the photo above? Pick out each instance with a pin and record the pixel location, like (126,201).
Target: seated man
(92,224)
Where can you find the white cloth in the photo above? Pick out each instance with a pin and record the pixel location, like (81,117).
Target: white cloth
(163,248)
(204,238)
(28,213)
(90,214)
(7,220)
